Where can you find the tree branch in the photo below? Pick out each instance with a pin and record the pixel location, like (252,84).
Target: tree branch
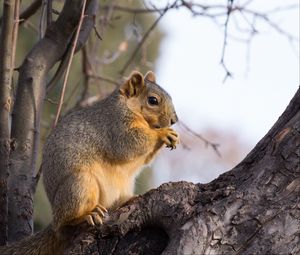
(222,61)
(88,21)
(29,11)
(122,72)
(74,43)
(215,12)
(214,146)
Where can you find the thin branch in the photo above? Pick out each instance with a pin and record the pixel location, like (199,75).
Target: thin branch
(15,31)
(283,8)
(51,101)
(49,12)
(132,10)
(83,36)
(29,11)
(274,25)
(69,64)
(31,26)
(101,78)
(214,12)
(43,22)
(97,33)
(60,70)
(123,70)
(222,61)
(214,146)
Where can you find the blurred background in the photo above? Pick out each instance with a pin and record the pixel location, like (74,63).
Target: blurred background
(231,68)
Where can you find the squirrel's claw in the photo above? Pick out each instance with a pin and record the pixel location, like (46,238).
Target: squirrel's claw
(170,138)
(100,210)
(95,217)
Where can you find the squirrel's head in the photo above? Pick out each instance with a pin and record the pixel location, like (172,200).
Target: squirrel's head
(145,97)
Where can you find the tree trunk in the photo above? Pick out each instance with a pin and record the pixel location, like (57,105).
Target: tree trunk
(27,111)
(252,209)
(6,67)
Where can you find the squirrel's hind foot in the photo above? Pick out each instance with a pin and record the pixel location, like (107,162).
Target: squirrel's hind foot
(95,217)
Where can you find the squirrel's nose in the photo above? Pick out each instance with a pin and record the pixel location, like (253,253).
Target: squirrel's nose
(174,119)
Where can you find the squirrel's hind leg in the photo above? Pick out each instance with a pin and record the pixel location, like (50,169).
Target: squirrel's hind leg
(77,200)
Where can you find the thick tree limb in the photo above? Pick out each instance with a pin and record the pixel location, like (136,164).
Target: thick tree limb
(83,36)
(252,209)
(26,115)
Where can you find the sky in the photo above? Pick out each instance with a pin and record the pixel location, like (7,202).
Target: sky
(260,89)
(265,78)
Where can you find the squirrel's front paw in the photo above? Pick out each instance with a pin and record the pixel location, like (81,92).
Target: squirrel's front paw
(169,137)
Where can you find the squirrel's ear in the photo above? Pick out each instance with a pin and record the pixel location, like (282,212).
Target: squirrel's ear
(133,85)
(150,76)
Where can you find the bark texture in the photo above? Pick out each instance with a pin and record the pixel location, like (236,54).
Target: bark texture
(27,110)
(6,67)
(252,209)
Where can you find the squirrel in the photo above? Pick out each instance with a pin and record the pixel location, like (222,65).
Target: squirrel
(91,158)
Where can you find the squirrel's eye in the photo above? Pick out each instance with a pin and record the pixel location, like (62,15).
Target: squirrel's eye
(152,101)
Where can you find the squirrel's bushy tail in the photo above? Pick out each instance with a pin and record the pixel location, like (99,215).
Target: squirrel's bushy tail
(44,242)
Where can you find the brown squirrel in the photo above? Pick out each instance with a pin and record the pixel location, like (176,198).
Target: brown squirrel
(91,158)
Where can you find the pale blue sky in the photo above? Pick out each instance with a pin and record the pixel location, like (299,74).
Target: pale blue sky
(249,103)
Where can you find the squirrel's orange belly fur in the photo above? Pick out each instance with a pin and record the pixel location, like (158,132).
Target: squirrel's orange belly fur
(115,183)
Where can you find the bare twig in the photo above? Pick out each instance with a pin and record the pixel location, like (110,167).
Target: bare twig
(88,72)
(49,12)
(97,33)
(84,33)
(74,42)
(60,70)
(132,10)
(283,8)
(272,24)
(15,32)
(101,78)
(43,22)
(32,9)
(222,61)
(214,146)
(51,101)
(214,12)
(123,70)
(29,11)
(30,25)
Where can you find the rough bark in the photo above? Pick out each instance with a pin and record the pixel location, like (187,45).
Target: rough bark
(6,53)
(26,114)
(252,209)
